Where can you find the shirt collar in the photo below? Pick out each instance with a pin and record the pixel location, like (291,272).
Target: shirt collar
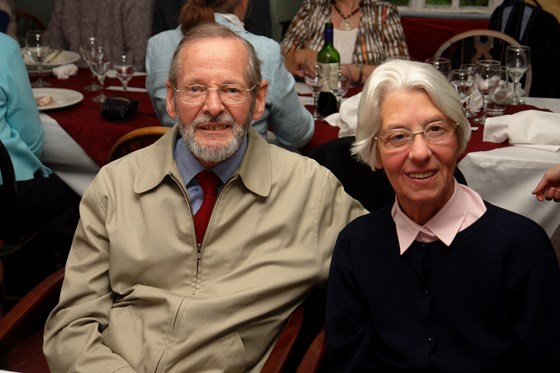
(463,208)
(189,166)
(232,18)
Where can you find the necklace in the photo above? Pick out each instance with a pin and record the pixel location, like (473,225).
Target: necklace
(346,23)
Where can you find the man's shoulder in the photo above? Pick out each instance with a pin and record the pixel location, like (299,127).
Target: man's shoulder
(173,35)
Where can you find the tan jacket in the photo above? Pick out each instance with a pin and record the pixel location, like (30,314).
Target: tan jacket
(137,296)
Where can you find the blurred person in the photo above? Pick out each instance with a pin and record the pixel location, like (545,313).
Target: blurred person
(120,24)
(8,24)
(291,124)
(366,32)
(143,291)
(442,280)
(549,186)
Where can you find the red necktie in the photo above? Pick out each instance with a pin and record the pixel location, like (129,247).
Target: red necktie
(209,183)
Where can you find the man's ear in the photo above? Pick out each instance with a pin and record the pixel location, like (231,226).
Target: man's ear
(170,101)
(260,99)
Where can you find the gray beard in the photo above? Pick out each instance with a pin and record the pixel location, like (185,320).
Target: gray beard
(214,154)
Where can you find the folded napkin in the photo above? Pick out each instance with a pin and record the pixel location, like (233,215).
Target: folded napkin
(347,117)
(530,128)
(65,71)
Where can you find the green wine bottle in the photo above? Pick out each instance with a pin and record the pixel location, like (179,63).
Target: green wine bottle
(328,61)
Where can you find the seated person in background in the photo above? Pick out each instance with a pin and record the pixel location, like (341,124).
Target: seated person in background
(257,20)
(441,281)
(291,123)
(145,287)
(549,186)
(121,24)
(366,32)
(42,196)
(8,23)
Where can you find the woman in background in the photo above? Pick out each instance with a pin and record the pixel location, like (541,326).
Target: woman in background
(366,32)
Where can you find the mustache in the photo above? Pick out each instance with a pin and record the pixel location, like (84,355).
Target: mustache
(206,119)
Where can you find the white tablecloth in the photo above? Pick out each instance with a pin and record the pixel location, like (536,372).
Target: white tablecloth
(505,177)
(65,157)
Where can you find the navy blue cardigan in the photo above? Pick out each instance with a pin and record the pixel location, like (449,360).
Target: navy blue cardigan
(488,303)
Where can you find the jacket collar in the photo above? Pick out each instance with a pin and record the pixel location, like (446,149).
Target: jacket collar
(158,162)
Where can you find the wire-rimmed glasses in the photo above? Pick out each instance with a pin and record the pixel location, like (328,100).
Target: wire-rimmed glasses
(230,94)
(518,59)
(401,138)
(37,44)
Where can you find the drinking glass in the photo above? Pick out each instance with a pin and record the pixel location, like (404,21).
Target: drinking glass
(100,64)
(472,69)
(87,50)
(463,82)
(37,44)
(340,87)
(518,59)
(123,63)
(499,98)
(487,77)
(315,80)
(441,64)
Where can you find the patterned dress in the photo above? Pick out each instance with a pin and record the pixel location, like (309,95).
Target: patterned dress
(380,33)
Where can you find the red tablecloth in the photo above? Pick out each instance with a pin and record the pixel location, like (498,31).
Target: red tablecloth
(84,122)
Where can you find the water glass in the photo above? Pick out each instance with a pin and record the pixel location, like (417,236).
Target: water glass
(498,100)
(441,64)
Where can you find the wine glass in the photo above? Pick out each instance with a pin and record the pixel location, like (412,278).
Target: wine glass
(463,82)
(123,63)
(315,80)
(487,77)
(100,64)
(340,86)
(518,59)
(88,50)
(37,44)
(441,64)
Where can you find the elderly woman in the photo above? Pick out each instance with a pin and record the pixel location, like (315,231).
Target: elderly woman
(441,281)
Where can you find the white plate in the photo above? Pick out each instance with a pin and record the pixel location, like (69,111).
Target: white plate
(62,58)
(61,97)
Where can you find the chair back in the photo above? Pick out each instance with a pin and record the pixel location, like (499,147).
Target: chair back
(21,329)
(533,26)
(314,359)
(136,139)
(27,21)
(8,196)
(480,44)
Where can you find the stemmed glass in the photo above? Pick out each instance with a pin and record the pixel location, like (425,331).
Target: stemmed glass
(518,59)
(315,81)
(441,64)
(340,86)
(88,50)
(123,63)
(487,77)
(463,82)
(100,64)
(37,44)
(472,69)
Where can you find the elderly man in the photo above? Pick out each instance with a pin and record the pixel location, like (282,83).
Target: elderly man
(146,289)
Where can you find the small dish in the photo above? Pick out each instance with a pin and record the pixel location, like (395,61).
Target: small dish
(60,97)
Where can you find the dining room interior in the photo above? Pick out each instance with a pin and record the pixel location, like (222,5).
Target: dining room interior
(88,103)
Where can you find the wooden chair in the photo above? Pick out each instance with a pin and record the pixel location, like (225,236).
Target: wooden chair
(27,21)
(21,329)
(314,359)
(471,46)
(136,139)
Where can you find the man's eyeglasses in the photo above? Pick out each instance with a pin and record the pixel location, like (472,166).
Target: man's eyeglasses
(402,138)
(230,94)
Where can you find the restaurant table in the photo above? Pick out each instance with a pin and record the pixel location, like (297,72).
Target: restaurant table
(505,176)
